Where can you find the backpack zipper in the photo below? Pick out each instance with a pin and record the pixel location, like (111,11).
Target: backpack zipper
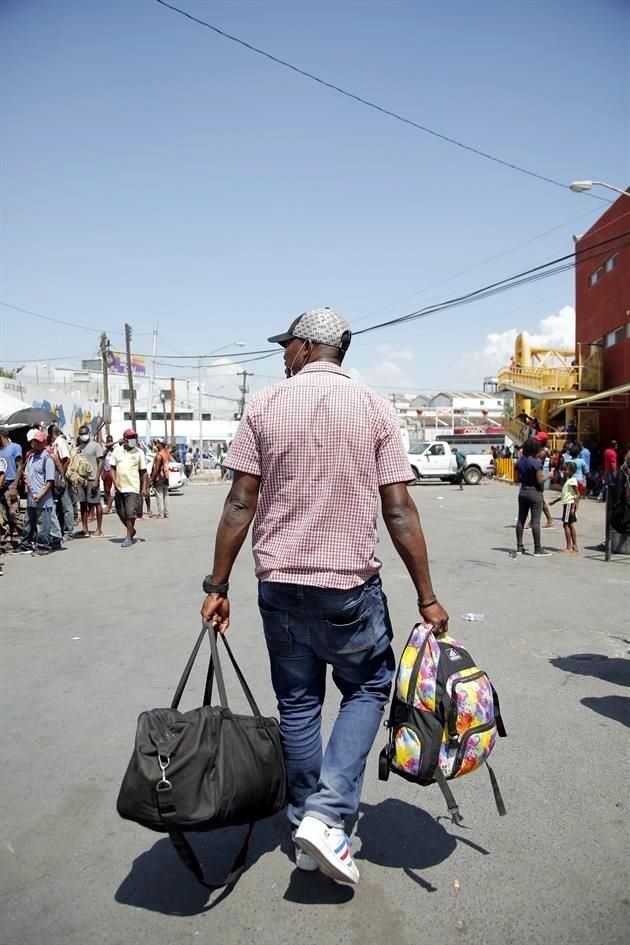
(464,741)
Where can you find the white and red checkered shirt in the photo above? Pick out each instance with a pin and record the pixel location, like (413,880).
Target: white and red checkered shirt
(322,445)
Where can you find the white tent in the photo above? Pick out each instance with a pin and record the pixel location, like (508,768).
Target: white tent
(9,404)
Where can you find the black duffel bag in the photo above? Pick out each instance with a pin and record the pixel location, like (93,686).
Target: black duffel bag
(204,769)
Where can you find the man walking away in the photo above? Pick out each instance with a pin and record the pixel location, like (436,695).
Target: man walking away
(188,463)
(89,493)
(319,589)
(159,478)
(460,459)
(129,470)
(40,478)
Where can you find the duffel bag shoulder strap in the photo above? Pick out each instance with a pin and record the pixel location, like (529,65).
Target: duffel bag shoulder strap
(187,855)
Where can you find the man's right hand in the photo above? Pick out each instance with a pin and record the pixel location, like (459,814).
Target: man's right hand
(436,616)
(216,610)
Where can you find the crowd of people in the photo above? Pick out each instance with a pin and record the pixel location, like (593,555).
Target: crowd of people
(539,468)
(68,485)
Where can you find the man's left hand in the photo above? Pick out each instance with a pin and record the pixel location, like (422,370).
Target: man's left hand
(216,610)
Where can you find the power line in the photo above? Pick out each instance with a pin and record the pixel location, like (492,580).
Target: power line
(534,274)
(47,318)
(367,103)
(59,321)
(478,265)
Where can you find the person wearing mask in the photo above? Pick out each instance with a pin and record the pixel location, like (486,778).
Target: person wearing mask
(89,493)
(60,452)
(39,473)
(129,471)
(11,465)
(159,478)
(319,589)
(530,498)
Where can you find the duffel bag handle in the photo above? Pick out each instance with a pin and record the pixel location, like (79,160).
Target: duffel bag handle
(214,668)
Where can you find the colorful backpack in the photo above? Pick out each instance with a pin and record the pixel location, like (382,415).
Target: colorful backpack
(444,717)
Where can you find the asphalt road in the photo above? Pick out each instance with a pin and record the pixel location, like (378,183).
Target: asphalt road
(94,634)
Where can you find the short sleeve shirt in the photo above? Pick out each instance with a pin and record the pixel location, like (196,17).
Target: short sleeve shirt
(40,469)
(527,467)
(60,448)
(8,456)
(92,451)
(610,459)
(322,445)
(128,465)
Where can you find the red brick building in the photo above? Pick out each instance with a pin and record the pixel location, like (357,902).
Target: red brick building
(602,306)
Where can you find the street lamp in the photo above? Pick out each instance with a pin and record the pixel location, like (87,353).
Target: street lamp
(580,186)
(163,399)
(232,344)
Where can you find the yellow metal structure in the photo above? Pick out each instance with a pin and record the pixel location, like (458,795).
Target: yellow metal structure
(545,382)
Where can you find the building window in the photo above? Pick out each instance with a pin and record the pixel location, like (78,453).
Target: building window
(610,263)
(614,337)
(595,276)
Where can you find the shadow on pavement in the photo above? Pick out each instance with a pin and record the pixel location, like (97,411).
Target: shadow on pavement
(611,669)
(613,707)
(158,880)
(401,836)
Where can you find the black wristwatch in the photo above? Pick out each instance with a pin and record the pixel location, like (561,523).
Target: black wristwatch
(211,588)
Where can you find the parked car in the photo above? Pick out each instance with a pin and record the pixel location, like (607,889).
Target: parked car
(437,461)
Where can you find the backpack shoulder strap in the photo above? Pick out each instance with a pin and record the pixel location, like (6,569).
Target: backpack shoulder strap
(451,803)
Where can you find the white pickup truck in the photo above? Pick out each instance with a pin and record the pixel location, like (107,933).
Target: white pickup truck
(437,461)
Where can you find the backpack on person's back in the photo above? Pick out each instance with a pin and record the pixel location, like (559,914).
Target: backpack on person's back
(444,717)
(79,471)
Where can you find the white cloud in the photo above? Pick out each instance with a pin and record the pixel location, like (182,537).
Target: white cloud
(387,374)
(554,331)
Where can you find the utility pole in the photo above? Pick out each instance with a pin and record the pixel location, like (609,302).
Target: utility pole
(200,406)
(105,355)
(244,389)
(163,400)
(151,383)
(173,412)
(132,396)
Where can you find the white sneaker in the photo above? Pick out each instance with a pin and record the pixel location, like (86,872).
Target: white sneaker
(330,847)
(302,860)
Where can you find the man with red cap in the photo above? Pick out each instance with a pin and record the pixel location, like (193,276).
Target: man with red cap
(129,472)
(40,478)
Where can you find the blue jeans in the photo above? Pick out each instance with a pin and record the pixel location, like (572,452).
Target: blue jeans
(65,512)
(37,527)
(306,629)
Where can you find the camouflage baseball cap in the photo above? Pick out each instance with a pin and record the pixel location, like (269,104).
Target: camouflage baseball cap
(324,326)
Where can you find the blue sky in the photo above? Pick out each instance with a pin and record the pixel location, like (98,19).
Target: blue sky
(153,172)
